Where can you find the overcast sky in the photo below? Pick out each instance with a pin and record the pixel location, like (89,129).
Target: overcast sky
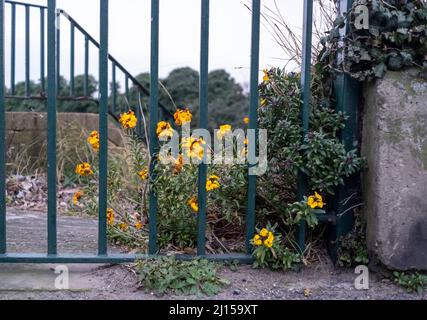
(179,35)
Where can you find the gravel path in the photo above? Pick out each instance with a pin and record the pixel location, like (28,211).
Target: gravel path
(27,231)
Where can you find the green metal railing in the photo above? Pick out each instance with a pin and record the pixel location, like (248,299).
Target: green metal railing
(107,106)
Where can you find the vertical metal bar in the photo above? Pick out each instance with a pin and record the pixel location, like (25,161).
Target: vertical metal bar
(27,51)
(253,117)
(86,75)
(72,58)
(127,89)
(114,89)
(2,136)
(103,128)
(139,117)
(306,96)
(13,50)
(42,50)
(154,117)
(51,109)
(348,95)
(203,97)
(58,53)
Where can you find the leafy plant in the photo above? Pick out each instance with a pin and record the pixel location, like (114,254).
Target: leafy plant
(169,275)
(396,39)
(352,250)
(413,282)
(270,252)
(302,211)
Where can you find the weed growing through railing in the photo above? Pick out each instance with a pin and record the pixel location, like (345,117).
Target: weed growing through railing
(168,275)
(269,251)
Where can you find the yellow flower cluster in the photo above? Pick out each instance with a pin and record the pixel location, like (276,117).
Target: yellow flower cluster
(315,201)
(264,237)
(143,174)
(223,131)
(110,216)
(246,120)
(212,183)
(93,140)
(182,117)
(194,148)
(128,120)
(194,205)
(84,169)
(164,130)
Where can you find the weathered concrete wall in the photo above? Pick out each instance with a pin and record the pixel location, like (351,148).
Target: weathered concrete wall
(26,132)
(395,184)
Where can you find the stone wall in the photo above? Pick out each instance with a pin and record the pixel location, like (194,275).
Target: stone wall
(395,184)
(26,133)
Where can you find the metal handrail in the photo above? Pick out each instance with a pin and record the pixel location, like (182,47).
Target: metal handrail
(91,39)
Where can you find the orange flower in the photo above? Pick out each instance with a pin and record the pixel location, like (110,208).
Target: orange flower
(194,147)
(193,203)
(164,130)
(179,164)
(123,226)
(246,120)
(182,117)
(93,140)
(84,169)
(143,174)
(128,120)
(138,225)
(77,196)
(110,216)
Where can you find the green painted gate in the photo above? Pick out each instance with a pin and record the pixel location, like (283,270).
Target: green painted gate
(49,93)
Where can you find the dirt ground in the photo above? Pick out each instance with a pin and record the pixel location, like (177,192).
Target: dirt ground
(94,282)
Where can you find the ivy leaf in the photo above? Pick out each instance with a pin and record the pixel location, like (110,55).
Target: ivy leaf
(380,70)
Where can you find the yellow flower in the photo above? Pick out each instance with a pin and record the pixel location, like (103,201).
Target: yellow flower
(246,120)
(123,226)
(77,196)
(110,216)
(315,201)
(193,203)
(266,77)
(138,225)
(263,102)
(164,130)
(143,174)
(179,164)
(93,140)
(269,241)
(128,120)
(257,240)
(264,233)
(223,131)
(84,169)
(212,183)
(194,148)
(182,117)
